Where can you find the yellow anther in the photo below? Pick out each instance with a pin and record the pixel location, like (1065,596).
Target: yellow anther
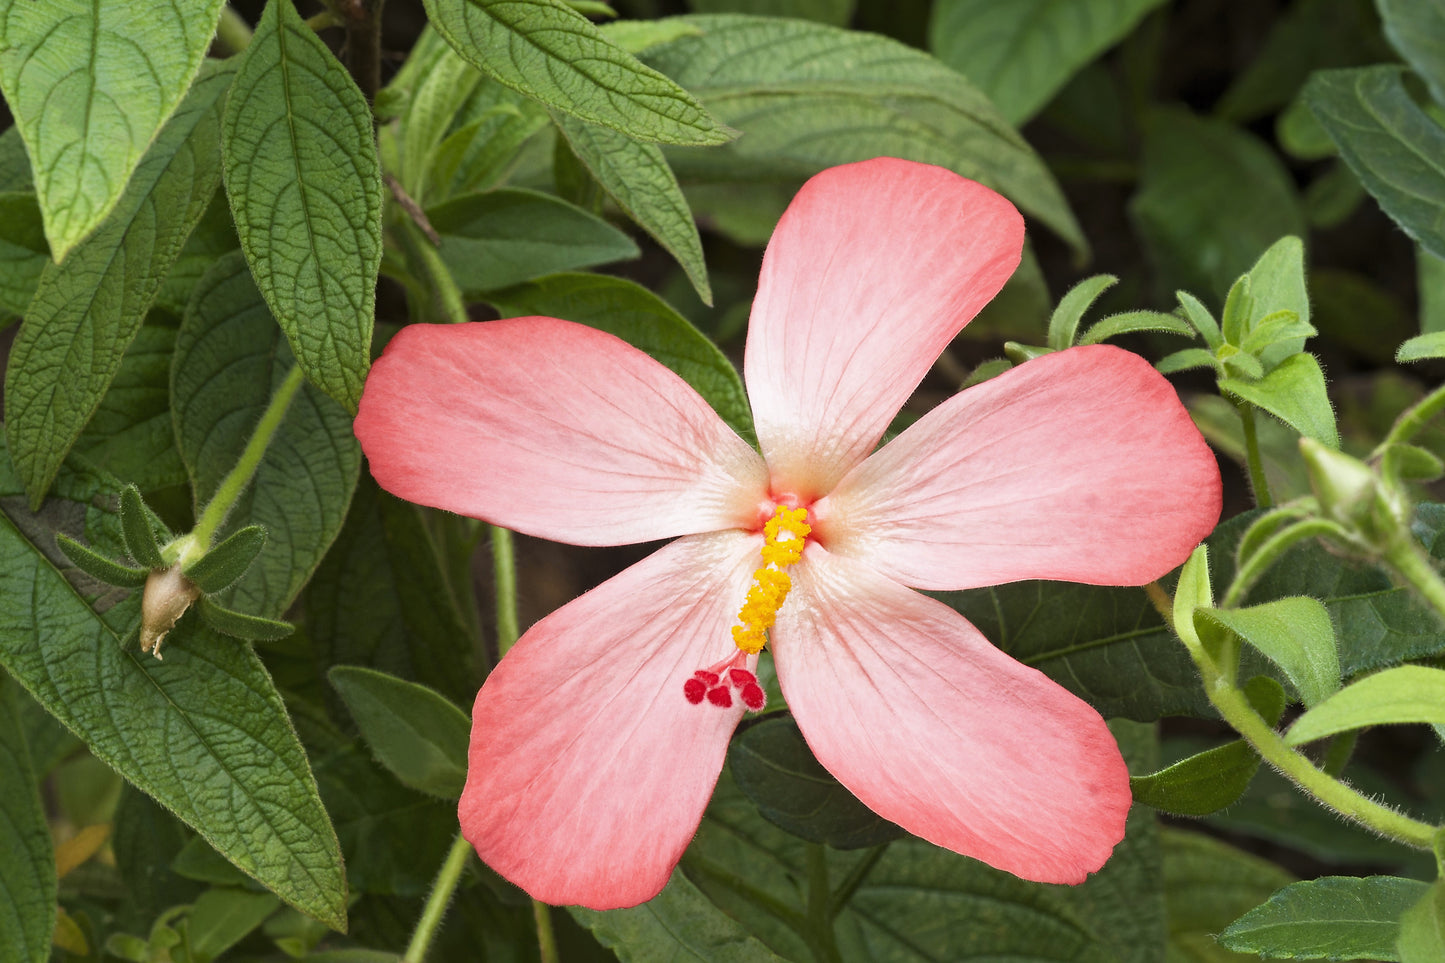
(785,536)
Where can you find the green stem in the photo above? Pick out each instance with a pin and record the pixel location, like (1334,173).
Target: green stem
(854,879)
(1257,481)
(1408,425)
(233,33)
(546,940)
(426,257)
(820,907)
(1410,561)
(504,581)
(1237,711)
(436,902)
(1269,552)
(240,476)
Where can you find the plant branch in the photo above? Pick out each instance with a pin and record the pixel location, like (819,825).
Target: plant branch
(1258,483)
(437,901)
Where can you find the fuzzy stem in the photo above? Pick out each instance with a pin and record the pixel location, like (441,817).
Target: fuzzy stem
(1411,563)
(504,581)
(1408,425)
(235,482)
(546,940)
(233,33)
(1257,481)
(425,256)
(436,902)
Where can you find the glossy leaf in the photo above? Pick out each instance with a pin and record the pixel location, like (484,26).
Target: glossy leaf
(1021,53)
(230,764)
(645,321)
(305,188)
(1394,147)
(88,310)
(27,856)
(774,767)
(1296,634)
(509,235)
(1294,392)
(842,96)
(637,176)
(91,85)
(1331,918)
(229,358)
(549,52)
(414,732)
(1408,693)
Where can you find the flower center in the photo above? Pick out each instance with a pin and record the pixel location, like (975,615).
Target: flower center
(784,537)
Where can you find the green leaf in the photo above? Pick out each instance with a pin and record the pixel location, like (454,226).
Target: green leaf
(1331,918)
(1207,884)
(145,840)
(305,189)
(229,765)
(140,537)
(130,434)
(1134,322)
(1414,28)
(1205,782)
(228,561)
(679,923)
(645,321)
(507,236)
(835,12)
(639,36)
(1392,145)
(88,310)
(1021,53)
(221,918)
(1294,392)
(23,252)
(638,178)
(1064,322)
(1276,284)
(841,96)
(1211,198)
(439,96)
(774,767)
(414,731)
(98,566)
(1186,360)
(1422,928)
(382,598)
(15,165)
(240,625)
(1422,347)
(91,85)
(229,358)
(482,151)
(27,856)
(1202,320)
(1408,693)
(1296,634)
(549,52)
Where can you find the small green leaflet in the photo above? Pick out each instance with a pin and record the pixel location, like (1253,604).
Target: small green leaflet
(1407,693)
(305,187)
(90,85)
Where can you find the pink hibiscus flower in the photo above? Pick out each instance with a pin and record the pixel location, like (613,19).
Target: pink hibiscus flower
(597,741)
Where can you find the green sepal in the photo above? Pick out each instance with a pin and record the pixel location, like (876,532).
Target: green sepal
(135,523)
(219,568)
(1132,322)
(1199,316)
(1019,353)
(97,566)
(1064,322)
(1186,360)
(242,626)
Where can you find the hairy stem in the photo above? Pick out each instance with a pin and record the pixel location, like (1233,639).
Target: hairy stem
(1257,481)
(1414,566)
(1408,425)
(436,902)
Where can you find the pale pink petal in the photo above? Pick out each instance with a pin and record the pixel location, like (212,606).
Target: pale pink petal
(589,770)
(1080,466)
(872,270)
(554,429)
(932,727)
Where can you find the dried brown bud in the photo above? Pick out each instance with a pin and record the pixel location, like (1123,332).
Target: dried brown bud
(167,595)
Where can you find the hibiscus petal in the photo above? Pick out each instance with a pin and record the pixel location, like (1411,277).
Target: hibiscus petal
(932,727)
(1081,466)
(589,770)
(554,429)
(870,273)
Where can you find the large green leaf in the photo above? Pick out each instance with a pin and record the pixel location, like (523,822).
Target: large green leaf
(413,731)
(546,50)
(1332,918)
(23,252)
(838,96)
(305,189)
(1207,884)
(836,12)
(509,235)
(27,857)
(1415,29)
(90,85)
(1021,53)
(638,178)
(1394,147)
(680,923)
(1211,199)
(204,732)
(229,359)
(87,310)
(645,321)
(1295,634)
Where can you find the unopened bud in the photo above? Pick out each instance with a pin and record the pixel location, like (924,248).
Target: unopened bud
(1352,493)
(167,595)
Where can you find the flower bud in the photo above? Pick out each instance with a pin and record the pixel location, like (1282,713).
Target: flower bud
(1351,493)
(167,595)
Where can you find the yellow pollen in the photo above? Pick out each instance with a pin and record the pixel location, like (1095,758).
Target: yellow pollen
(785,536)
